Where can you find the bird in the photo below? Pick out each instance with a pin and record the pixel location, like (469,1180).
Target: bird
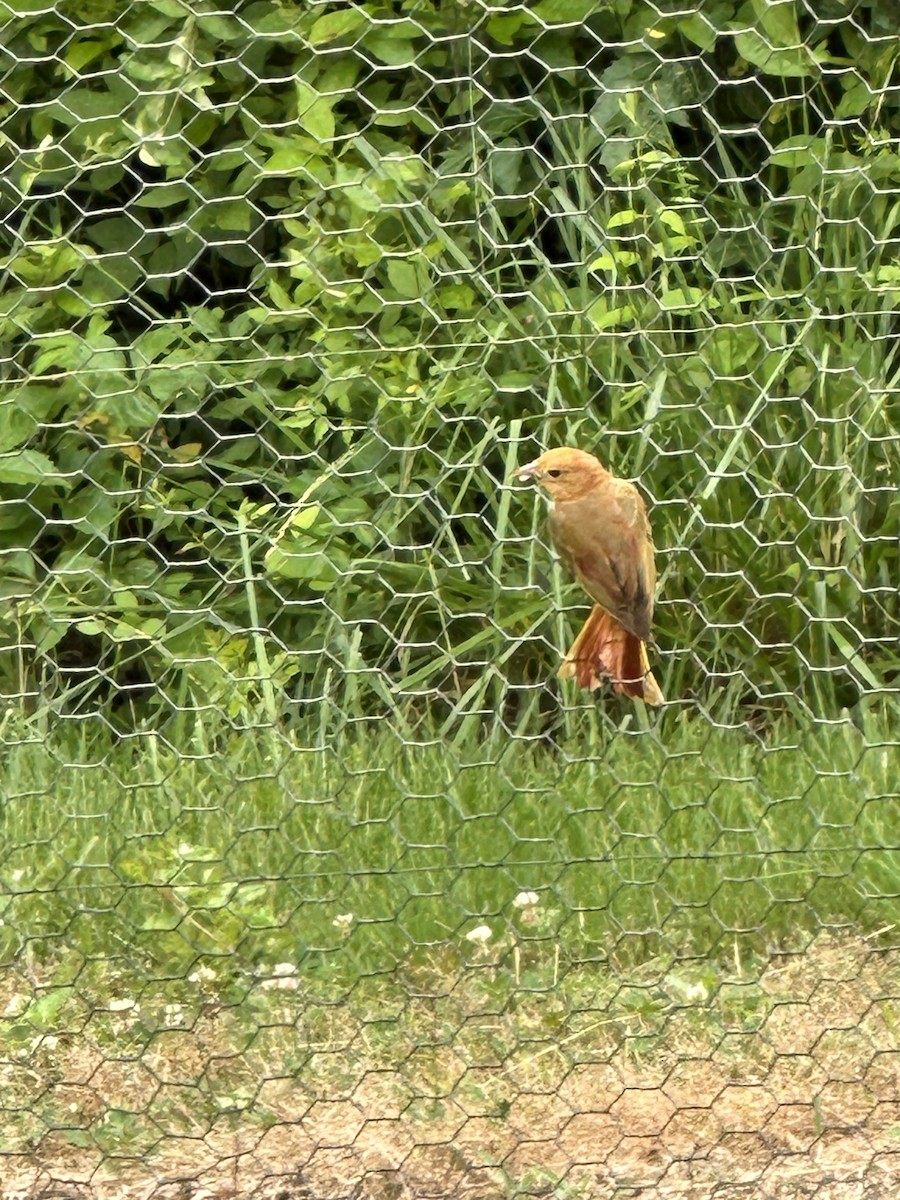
(599,527)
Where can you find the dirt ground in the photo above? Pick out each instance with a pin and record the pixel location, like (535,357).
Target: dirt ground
(807,1104)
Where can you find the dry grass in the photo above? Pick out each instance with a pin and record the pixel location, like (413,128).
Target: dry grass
(793,1093)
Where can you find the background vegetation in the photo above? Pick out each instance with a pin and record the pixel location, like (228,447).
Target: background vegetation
(287,291)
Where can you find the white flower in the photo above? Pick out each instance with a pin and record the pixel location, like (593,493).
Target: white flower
(202,975)
(121,1005)
(174,1016)
(526,903)
(480,935)
(688,990)
(343,923)
(696,993)
(283,977)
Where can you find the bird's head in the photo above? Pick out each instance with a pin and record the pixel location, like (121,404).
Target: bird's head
(565,472)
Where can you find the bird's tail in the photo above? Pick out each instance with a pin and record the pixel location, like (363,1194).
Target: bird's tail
(606,650)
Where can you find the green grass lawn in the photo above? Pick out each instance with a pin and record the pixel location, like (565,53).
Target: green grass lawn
(232,942)
(683,841)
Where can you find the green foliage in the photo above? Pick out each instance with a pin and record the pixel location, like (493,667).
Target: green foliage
(288,290)
(687,842)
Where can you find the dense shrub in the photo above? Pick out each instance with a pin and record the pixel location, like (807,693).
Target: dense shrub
(289,289)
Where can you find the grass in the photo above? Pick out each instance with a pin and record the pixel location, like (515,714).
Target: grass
(681,840)
(260,948)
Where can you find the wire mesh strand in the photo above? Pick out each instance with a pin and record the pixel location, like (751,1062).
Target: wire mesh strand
(315,881)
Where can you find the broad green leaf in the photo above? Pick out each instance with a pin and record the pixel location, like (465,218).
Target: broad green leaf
(672,220)
(20,8)
(311,566)
(603,317)
(798,151)
(456,296)
(336,25)
(115,233)
(288,159)
(565,12)
(146,629)
(696,29)
(90,627)
(28,466)
(614,259)
(627,217)
(506,28)
(394,44)
(603,262)
(515,381)
(79,54)
(16,426)
(165,195)
(314,113)
(855,100)
(404,279)
(686,299)
(771,39)
(304,518)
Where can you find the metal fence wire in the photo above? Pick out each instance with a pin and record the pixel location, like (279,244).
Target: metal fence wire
(316,881)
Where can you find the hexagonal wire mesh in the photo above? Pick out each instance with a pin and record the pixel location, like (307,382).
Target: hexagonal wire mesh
(315,880)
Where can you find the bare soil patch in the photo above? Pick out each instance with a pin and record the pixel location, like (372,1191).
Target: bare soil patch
(796,1096)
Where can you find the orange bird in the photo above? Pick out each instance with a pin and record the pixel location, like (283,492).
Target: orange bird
(600,530)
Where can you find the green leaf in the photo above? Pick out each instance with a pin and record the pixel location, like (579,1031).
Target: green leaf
(798,151)
(20,8)
(28,466)
(686,299)
(394,44)
(515,381)
(303,518)
(90,627)
(627,217)
(313,567)
(566,12)
(505,28)
(404,279)
(334,25)
(856,99)
(314,113)
(44,1011)
(16,426)
(853,657)
(79,54)
(771,39)
(147,629)
(289,158)
(164,195)
(673,220)
(456,296)
(603,317)
(701,32)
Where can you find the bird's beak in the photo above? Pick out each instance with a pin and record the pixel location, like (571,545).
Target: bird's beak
(529,471)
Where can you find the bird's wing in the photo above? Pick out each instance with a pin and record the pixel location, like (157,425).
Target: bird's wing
(604,539)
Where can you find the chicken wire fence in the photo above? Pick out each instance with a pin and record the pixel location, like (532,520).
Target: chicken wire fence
(315,881)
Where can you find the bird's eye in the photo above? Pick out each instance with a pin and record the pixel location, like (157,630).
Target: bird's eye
(555,473)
